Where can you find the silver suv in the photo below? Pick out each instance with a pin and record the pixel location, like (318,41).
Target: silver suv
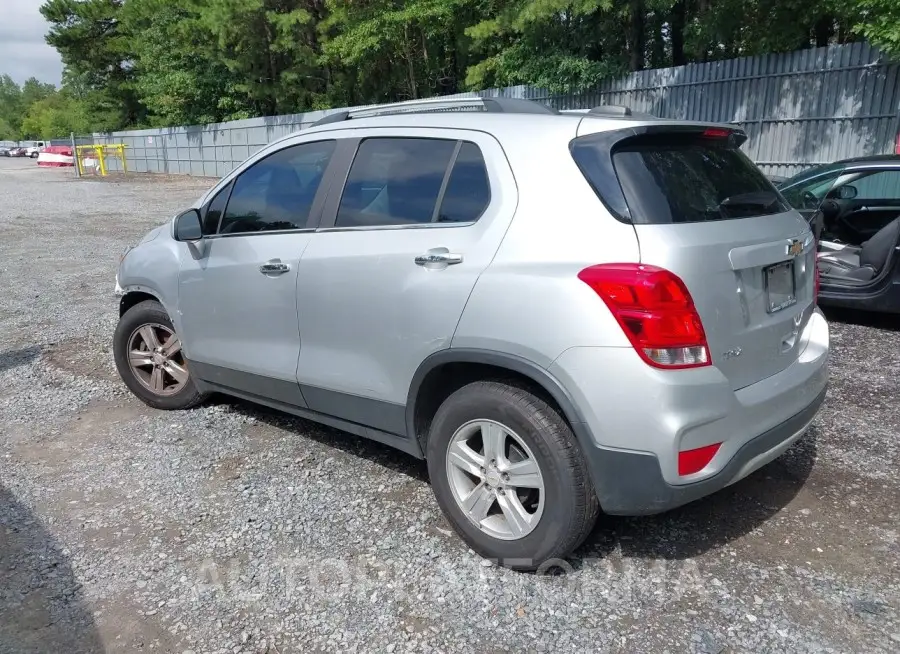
(562,312)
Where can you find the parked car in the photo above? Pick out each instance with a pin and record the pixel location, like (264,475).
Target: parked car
(613,313)
(34,150)
(4,152)
(17,152)
(859,204)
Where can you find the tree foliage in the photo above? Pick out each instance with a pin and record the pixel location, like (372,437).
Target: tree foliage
(168,62)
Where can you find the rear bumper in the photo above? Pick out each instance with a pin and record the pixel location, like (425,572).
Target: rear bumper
(639,488)
(633,420)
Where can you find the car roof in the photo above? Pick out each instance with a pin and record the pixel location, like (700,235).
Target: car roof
(512,125)
(874,159)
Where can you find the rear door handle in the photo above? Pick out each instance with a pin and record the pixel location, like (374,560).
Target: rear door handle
(274,267)
(438,258)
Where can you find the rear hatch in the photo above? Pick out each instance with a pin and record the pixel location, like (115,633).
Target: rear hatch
(705,212)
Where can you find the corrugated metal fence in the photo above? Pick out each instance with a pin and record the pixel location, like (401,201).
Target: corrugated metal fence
(799,109)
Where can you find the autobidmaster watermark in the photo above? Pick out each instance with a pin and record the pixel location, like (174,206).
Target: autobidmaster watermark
(614,578)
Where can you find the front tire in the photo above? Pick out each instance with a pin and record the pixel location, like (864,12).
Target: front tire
(509,475)
(150,360)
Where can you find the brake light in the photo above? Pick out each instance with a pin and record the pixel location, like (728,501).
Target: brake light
(716,133)
(691,461)
(897,146)
(655,310)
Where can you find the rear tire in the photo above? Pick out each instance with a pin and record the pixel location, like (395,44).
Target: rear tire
(559,503)
(150,361)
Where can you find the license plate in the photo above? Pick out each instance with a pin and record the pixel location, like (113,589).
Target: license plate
(780,290)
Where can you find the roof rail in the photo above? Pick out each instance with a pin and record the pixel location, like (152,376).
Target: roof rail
(491,105)
(609,110)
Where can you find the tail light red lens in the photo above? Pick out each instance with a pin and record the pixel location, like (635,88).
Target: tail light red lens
(691,461)
(655,310)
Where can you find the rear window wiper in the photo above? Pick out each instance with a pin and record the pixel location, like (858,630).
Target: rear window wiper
(761,199)
(764,199)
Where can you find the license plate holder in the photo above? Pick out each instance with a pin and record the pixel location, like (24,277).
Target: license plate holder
(781,291)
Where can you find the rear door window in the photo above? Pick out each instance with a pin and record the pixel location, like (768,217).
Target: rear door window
(682,179)
(394,181)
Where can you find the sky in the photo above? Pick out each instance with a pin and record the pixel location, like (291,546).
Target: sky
(23,52)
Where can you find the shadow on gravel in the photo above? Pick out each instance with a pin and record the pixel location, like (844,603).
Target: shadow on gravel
(713,521)
(357,446)
(41,604)
(864,318)
(16,358)
(682,533)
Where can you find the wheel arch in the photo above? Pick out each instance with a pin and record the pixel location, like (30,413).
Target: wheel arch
(458,366)
(134,296)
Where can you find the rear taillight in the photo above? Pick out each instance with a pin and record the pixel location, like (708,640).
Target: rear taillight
(655,310)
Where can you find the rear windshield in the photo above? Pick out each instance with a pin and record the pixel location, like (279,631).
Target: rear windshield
(683,179)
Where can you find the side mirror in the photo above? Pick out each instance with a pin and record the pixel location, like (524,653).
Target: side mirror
(187,226)
(847,192)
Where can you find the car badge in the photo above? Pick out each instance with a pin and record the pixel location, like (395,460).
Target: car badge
(794,248)
(732,354)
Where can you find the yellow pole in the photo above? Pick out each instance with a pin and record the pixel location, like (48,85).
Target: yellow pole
(99,150)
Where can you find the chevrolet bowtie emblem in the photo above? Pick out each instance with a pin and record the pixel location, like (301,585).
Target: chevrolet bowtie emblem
(794,248)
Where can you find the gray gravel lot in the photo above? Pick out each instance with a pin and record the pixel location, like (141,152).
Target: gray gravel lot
(234,529)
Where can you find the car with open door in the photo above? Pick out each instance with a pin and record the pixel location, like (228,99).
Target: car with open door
(858,204)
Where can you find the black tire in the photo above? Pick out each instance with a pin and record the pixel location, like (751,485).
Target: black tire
(143,313)
(570,504)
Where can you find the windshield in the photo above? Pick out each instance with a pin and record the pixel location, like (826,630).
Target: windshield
(806,190)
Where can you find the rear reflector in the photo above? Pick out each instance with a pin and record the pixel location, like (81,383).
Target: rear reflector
(655,310)
(691,461)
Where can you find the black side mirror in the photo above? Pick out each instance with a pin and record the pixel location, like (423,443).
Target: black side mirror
(847,192)
(187,226)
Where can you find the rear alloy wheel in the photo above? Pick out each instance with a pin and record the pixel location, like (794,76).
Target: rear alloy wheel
(509,475)
(150,359)
(495,479)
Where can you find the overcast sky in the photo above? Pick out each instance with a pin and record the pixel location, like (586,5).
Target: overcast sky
(23,51)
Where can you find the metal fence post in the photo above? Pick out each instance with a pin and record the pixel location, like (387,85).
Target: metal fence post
(75,154)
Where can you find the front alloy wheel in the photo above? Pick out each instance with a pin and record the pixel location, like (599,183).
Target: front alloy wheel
(154,354)
(150,359)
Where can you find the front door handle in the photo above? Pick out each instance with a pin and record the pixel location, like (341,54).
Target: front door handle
(274,267)
(438,258)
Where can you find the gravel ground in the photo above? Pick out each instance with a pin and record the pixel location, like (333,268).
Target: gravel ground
(233,529)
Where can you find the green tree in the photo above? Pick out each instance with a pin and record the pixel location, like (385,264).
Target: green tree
(10,109)
(56,115)
(179,76)
(89,37)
